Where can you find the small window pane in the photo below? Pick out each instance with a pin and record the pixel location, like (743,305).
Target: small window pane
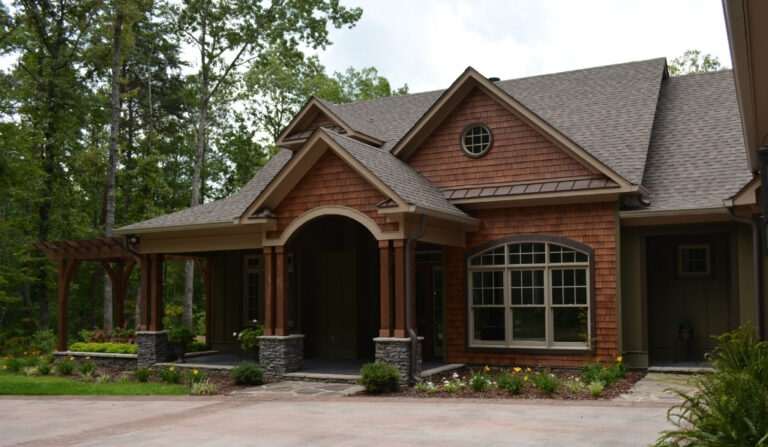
(559,254)
(570,324)
(527,254)
(489,324)
(528,324)
(693,260)
(476,140)
(494,256)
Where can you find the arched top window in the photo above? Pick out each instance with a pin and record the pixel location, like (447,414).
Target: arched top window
(529,293)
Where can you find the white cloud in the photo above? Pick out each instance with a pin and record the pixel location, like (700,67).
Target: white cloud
(428,43)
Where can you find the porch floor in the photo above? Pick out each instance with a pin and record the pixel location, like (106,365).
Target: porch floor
(679,367)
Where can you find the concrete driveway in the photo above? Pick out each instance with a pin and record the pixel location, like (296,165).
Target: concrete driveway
(349,421)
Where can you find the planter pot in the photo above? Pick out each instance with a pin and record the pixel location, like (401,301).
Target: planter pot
(180,349)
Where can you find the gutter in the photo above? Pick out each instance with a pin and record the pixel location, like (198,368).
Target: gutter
(757,269)
(414,376)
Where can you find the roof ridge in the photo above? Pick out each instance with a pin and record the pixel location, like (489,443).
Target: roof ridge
(703,73)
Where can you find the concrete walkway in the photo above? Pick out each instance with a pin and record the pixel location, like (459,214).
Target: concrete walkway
(355,421)
(289,389)
(654,387)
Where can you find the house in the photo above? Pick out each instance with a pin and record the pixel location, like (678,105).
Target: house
(547,220)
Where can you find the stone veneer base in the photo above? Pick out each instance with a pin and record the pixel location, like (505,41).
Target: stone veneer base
(280,354)
(151,347)
(397,351)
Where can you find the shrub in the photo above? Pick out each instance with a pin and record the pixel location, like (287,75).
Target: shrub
(197,346)
(454,385)
(195,376)
(203,387)
(729,407)
(607,373)
(596,387)
(426,387)
(379,377)
(181,335)
(547,382)
(43,341)
(65,367)
(510,382)
(574,385)
(104,378)
(44,368)
(170,375)
(87,368)
(14,365)
(247,373)
(123,335)
(111,348)
(29,371)
(480,382)
(249,337)
(142,374)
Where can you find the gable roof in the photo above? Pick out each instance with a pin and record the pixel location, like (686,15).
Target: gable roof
(218,212)
(696,158)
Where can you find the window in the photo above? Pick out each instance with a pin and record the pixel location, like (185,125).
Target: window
(476,140)
(693,260)
(253,289)
(529,294)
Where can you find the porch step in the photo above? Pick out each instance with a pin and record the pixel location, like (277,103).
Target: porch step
(321,377)
(680,369)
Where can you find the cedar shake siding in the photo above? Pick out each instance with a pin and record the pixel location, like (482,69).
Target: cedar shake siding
(330,182)
(590,224)
(519,152)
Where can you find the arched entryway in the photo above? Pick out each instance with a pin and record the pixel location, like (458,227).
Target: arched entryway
(333,288)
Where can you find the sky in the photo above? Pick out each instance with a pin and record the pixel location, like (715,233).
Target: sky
(428,43)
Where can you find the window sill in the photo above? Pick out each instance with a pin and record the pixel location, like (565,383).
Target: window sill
(531,350)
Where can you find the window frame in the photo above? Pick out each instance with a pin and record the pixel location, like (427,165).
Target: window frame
(467,129)
(548,345)
(679,253)
(259,270)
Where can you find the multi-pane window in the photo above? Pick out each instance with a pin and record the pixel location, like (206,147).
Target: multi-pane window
(529,294)
(693,260)
(476,140)
(253,289)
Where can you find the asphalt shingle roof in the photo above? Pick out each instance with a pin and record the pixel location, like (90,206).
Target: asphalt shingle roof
(697,157)
(405,181)
(224,210)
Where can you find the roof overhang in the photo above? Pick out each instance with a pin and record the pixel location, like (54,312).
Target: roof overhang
(672,217)
(306,115)
(472,79)
(747,25)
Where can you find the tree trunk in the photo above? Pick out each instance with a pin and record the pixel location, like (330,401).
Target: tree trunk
(95,296)
(114,131)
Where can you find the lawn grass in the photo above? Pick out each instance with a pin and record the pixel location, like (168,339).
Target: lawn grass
(12,384)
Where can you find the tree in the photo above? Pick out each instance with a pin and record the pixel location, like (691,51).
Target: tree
(692,61)
(230,33)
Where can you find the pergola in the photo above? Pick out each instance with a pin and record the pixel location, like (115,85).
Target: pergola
(119,256)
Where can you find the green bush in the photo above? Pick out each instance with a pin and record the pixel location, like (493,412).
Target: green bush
(15,364)
(193,376)
(43,341)
(142,374)
(596,388)
(249,337)
(87,368)
(170,375)
(510,382)
(181,335)
(601,372)
(203,387)
(111,348)
(197,346)
(247,373)
(43,368)
(480,382)
(379,377)
(547,382)
(65,367)
(730,407)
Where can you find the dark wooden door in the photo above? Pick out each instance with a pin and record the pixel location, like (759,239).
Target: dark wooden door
(424,309)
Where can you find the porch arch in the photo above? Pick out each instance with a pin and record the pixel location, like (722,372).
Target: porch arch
(329,210)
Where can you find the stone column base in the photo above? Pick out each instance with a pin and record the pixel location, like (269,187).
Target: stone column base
(151,347)
(397,351)
(280,354)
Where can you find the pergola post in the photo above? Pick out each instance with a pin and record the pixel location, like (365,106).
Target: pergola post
(269,292)
(67,269)
(385,289)
(399,325)
(152,340)
(119,276)
(281,293)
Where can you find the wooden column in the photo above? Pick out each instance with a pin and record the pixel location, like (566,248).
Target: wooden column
(152,292)
(399,325)
(204,266)
(269,291)
(281,293)
(385,289)
(66,270)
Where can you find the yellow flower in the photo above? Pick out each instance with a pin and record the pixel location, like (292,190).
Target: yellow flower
(25,352)
(525,378)
(528,369)
(619,358)
(194,371)
(41,357)
(149,369)
(537,373)
(87,357)
(486,369)
(170,369)
(517,369)
(71,357)
(5,366)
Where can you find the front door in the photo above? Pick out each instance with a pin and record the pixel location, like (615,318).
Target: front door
(429,309)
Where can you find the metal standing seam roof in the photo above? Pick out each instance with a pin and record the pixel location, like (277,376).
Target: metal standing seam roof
(696,157)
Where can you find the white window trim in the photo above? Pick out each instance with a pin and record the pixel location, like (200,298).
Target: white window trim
(682,247)
(549,342)
(246,271)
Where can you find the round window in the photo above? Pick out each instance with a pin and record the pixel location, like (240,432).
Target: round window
(476,140)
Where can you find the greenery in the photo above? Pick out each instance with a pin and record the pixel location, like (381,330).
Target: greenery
(181,335)
(142,374)
(606,373)
(379,377)
(50,385)
(596,388)
(249,337)
(195,109)
(730,407)
(112,348)
(203,387)
(511,382)
(86,368)
(480,381)
(574,386)
(169,375)
(65,367)
(692,61)
(547,382)
(194,376)
(197,346)
(247,373)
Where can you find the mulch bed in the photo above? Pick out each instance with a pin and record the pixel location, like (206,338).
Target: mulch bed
(528,392)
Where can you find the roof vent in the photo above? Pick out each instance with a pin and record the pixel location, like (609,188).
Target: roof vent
(494,79)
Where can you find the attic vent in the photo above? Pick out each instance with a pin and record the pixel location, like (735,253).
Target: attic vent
(494,79)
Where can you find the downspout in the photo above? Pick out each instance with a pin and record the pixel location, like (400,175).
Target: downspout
(409,297)
(756,267)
